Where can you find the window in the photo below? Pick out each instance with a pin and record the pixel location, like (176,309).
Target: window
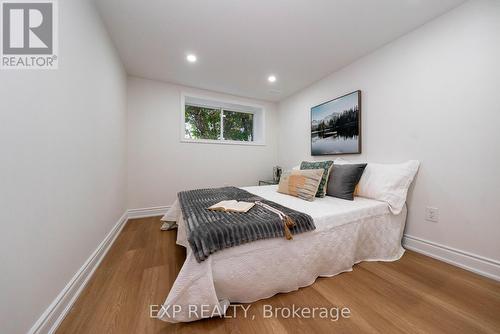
(202,122)
(211,121)
(237,125)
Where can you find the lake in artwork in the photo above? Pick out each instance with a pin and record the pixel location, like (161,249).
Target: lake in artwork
(335,126)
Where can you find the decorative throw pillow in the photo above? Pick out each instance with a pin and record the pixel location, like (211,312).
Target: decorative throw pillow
(301,183)
(386,182)
(326,166)
(344,179)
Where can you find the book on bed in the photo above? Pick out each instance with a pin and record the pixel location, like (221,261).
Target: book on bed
(232,206)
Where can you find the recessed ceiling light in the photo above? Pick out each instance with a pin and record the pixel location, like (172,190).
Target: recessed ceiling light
(271,78)
(191,58)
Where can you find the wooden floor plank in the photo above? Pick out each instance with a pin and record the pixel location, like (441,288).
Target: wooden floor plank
(416,294)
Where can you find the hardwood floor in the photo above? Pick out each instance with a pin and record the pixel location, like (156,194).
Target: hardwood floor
(416,294)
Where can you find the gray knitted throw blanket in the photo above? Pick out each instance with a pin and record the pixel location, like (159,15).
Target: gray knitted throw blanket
(210,231)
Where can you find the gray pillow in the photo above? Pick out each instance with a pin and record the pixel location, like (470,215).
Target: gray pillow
(343,180)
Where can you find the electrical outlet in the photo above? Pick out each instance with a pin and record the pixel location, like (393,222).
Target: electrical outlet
(432,214)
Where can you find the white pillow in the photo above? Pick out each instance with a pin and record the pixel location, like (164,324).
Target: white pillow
(342,161)
(386,182)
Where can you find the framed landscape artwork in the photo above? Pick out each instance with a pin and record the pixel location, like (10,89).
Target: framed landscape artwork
(336,126)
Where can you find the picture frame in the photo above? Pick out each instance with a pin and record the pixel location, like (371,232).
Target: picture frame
(336,126)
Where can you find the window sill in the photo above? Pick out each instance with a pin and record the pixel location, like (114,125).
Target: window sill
(222,142)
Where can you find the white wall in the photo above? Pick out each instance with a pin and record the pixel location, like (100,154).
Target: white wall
(160,165)
(432,95)
(63,165)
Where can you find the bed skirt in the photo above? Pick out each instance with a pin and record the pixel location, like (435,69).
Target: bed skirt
(253,271)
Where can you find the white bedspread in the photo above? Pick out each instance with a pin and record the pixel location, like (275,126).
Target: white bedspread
(347,232)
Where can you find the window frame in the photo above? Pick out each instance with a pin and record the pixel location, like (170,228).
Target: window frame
(258,111)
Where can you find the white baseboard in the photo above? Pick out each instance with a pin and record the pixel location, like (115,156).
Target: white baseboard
(468,261)
(147,212)
(55,313)
(59,308)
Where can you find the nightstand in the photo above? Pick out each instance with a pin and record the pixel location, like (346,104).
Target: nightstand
(267,182)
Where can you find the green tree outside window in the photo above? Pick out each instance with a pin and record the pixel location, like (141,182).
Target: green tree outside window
(205,123)
(202,123)
(238,126)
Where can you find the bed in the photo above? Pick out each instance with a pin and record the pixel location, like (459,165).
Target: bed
(347,232)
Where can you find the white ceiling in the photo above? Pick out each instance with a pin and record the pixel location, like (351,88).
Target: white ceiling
(239,43)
